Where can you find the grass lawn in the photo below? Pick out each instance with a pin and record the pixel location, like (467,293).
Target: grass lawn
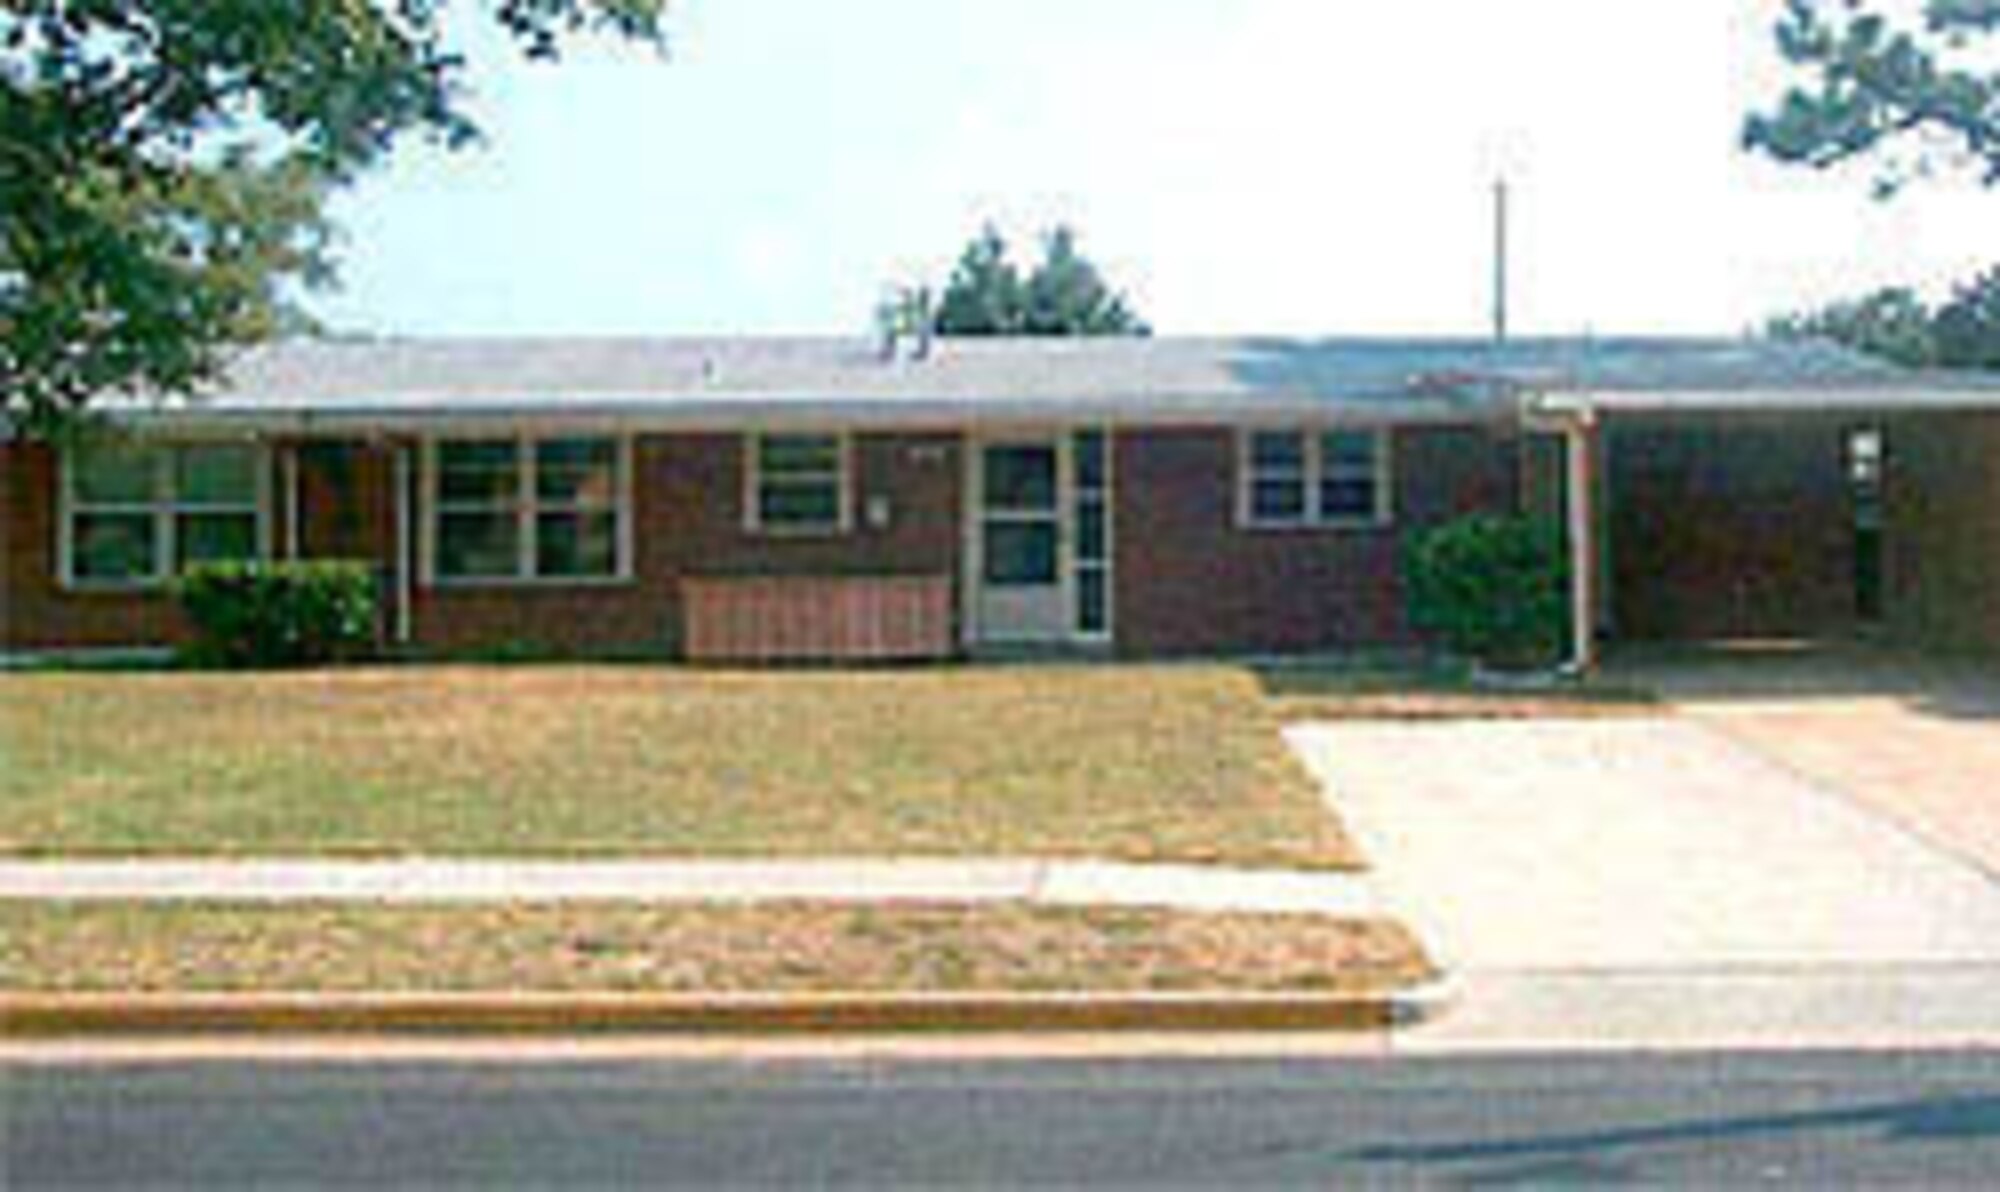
(1132,762)
(776,948)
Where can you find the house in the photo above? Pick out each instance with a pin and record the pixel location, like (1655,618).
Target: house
(762,498)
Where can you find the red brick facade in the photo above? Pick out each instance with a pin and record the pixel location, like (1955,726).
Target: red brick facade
(1742,527)
(1730,528)
(1190,580)
(687,511)
(1943,531)
(35,610)
(687,497)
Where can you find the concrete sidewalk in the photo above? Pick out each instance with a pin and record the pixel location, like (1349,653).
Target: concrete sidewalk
(475,881)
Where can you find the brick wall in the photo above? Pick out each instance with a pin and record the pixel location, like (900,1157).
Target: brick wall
(1943,531)
(688,521)
(36,612)
(1189,580)
(1730,528)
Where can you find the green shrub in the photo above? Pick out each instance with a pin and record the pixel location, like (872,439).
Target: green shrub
(279,614)
(1493,589)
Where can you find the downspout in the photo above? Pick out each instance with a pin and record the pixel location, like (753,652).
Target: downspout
(1580,442)
(291,482)
(1577,423)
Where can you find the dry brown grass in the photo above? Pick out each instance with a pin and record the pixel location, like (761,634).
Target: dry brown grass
(775,948)
(1132,762)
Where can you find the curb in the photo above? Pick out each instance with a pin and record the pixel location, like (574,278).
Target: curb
(117,1014)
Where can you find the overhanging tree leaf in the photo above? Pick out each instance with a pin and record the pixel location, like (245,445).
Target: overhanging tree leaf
(164,167)
(1913,96)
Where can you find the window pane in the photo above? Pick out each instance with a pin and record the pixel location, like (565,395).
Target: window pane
(1090,453)
(1091,600)
(577,471)
(114,474)
(1278,451)
(799,504)
(1342,499)
(1021,554)
(576,544)
(215,476)
(1348,451)
(796,455)
(1090,531)
(1020,478)
(112,546)
(1278,501)
(212,537)
(478,544)
(482,473)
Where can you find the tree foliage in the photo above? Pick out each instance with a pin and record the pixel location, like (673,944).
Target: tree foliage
(164,167)
(1911,94)
(1064,294)
(1896,324)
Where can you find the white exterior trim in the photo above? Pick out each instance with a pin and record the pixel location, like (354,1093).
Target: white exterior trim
(526,507)
(1314,473)
(751,445)
(973,630)
(1109,564)
(163,506)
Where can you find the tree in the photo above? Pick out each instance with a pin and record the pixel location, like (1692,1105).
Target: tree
(1898,325)
(164,168)
(1967,326)
(1067,295)
(1913,94)
(985,295)
(1892,323)
(1064,295)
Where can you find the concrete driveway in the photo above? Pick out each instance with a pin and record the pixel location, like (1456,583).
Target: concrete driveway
(1914,740)
(1660,879)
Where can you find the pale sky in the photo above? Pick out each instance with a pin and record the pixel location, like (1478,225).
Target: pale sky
(1283,166)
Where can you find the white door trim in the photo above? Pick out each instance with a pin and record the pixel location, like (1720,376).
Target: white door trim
(977,629)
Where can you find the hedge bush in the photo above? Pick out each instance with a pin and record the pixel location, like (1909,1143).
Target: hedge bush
(279,613)
(1493,589)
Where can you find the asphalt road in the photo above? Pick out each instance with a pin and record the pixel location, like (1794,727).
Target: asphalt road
(1873,1119)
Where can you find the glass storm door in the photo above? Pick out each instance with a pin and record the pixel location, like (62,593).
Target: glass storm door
(1021,547)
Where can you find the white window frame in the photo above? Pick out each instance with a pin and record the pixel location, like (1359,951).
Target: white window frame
(1078,497)
(164,506)
(843,478)
(1382,475)
(527,506)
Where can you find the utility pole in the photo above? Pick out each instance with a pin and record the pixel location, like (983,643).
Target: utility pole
(1500,261)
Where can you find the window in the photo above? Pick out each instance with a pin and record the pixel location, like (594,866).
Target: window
(529,509)
(139,514)
(1314,478)
(1090,486)
(798,483)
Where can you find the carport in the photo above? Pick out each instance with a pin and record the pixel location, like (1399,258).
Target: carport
(1844,500)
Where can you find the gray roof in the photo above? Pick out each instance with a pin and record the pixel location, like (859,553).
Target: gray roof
(725,380)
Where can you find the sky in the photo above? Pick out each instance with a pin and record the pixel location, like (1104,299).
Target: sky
(1236,166)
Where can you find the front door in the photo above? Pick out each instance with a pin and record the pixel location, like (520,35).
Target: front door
(1019,540)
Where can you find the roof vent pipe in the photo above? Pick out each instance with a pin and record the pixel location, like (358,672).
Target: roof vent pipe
(921,312)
